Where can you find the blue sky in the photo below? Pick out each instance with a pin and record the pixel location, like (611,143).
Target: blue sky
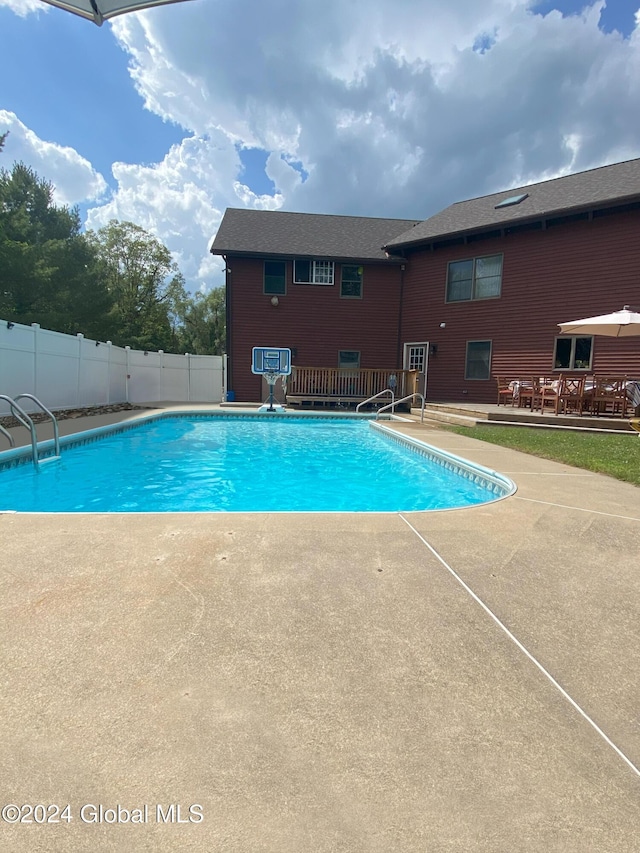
(376,107)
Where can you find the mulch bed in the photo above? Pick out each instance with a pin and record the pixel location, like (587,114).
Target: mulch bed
(8,421)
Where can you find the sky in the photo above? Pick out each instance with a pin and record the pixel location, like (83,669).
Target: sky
(391,108)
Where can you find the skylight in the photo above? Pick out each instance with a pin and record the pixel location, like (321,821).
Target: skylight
(514,199)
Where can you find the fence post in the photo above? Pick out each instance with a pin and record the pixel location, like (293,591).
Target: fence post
(36,350)
(109,373)
(224,377)
(80,337)
(127,350)
(161,369)
(188,358)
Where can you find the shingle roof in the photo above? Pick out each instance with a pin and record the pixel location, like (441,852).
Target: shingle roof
(268,232)
(597,187)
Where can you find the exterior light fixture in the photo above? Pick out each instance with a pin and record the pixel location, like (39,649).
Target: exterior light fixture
(275,301)
(10,325)
(442,325)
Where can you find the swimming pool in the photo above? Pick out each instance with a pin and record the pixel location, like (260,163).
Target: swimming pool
(248,464)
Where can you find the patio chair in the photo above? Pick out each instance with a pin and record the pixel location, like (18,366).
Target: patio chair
(609,396)
(568,396)
(546,390)
(505,391)
(529,392)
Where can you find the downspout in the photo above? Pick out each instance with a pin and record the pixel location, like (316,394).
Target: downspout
(399,354)
(227,320)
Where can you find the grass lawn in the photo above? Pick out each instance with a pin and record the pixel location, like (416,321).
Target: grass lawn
(615,455)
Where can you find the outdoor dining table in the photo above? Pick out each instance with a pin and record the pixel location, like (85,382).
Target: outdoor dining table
(523,388)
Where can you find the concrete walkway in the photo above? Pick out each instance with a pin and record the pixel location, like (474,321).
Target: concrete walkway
(449,681)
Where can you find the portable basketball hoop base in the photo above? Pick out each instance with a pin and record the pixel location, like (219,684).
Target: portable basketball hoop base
(271,378)
(272,363)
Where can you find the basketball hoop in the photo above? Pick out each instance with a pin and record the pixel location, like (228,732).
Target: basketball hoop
(273,363)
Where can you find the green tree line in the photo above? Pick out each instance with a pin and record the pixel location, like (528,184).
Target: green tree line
(118,283)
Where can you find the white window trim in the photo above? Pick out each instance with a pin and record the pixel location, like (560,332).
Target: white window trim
(313,263)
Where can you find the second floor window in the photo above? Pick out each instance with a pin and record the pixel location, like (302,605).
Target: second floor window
(475,278)
(274,277)
(351,284)
(312,272)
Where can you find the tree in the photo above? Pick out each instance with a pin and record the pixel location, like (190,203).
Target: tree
(47,268)
(203,323)
(144,283)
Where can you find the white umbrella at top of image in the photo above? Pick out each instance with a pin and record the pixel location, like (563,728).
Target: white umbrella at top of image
(99,11)
(619,324)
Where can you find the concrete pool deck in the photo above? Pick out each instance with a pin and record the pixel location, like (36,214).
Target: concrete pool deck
(324,682)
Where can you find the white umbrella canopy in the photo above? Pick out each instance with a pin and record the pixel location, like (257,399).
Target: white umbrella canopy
(99,11)
(619,324)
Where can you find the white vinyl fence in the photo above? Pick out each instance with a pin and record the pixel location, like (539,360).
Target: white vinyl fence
(71,371)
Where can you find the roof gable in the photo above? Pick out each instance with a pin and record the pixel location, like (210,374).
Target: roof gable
(278,233)
(606,185)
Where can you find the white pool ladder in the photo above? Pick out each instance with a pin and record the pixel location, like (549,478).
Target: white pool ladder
(20,415)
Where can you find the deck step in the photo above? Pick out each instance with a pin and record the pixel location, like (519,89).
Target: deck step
(467,416)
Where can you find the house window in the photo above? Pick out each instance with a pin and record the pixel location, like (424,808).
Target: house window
(274,277)
(312,272)
(351,283)
(348,358)
(573,353)
(478,361)
(476,278)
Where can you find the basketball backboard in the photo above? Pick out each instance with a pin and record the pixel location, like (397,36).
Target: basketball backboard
(271,360)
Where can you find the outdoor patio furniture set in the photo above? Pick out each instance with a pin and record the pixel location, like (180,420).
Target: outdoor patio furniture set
(613,396)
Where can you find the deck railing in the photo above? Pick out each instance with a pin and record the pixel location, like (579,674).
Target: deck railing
(348,382)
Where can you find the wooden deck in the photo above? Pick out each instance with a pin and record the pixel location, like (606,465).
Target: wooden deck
(344,386)
(471,414)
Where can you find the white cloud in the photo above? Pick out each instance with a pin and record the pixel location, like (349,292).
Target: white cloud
(180,200)
(74,179)
(376,107)
(24,7)
(386,104)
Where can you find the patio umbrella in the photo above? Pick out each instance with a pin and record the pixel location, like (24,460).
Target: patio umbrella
(619,324)
(99,11)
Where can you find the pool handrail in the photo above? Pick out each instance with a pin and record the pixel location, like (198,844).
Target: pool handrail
(403,400)
(20,415)
(40,404)
(6,432)
(379,394)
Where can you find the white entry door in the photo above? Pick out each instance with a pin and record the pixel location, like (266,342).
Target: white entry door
(416,358)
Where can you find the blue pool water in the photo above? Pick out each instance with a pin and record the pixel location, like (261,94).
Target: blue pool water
(226,464)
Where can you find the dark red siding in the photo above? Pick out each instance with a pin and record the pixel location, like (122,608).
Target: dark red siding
(551,276)
(312,319)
